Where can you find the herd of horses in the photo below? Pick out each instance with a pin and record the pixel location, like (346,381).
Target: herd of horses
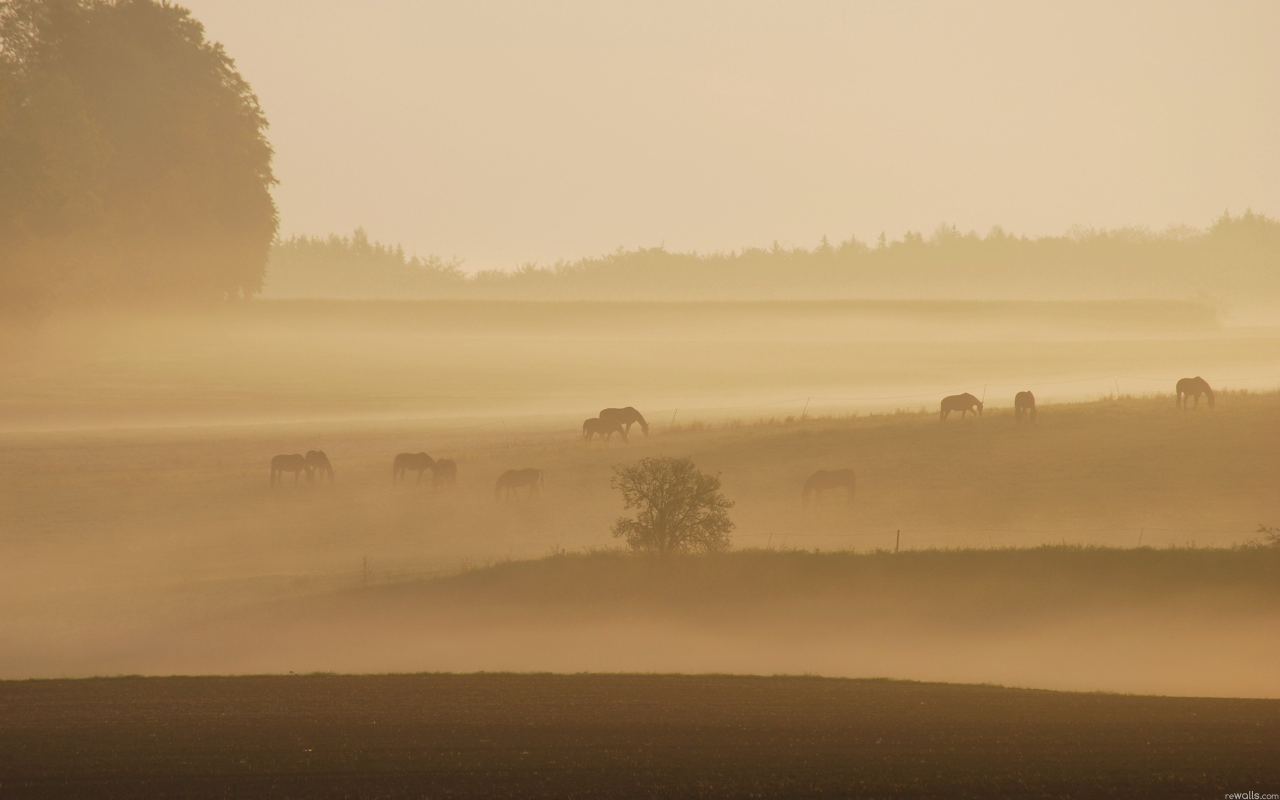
(611,421)
(1024,403)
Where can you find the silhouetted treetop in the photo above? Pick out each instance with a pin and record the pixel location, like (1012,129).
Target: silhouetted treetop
(133,157)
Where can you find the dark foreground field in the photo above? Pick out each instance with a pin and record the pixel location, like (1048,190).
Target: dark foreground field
(503,735)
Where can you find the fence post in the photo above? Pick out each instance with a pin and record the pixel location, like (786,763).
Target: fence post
(806,407)
(673,418)
(1140,532)
(897,541)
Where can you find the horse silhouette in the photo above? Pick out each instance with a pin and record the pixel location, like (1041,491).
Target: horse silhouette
(320,463)
(625,416)
(513,479)
(1189,388)
(964,403)
(825,479)
(408,461)
(605,427)
(444,473)
(1024,405)
(295,463)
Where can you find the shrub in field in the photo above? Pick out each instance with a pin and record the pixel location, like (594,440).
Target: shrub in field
(679,507)
(1270,536)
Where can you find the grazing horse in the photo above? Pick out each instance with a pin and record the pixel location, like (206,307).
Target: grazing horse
(825,479)
(625,416)
(296,463)
(1024,405)
(407,461)
(605,427)
(1189,388)
(444,473)
(512,479)
(964,403)
(320,463)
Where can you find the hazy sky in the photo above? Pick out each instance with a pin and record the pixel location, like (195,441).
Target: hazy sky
(510,132)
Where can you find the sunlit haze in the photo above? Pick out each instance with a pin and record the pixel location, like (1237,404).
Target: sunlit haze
(503,133)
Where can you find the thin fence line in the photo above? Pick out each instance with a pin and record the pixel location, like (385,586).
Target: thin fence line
(981,531)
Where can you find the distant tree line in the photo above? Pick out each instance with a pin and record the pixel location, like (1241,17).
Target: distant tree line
(134,165)
(355,268)
(1236,256)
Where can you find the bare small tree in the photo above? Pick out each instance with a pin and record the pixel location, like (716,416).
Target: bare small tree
(679,508)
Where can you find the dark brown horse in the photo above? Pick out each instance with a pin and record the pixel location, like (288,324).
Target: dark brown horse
(605,427)
(444,473)
(825,479)
(320,463)
(626,417)
(1024,405)
(964,403)
(407,461)
(1189,388)
(513,479)
(295,463)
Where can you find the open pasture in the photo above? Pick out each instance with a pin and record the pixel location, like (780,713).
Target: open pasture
(111,538)
(134,453)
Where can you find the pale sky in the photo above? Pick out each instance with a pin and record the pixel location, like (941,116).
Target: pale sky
(530,131)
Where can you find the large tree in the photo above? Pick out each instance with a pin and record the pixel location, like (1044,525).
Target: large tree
(134,163)
(679,508)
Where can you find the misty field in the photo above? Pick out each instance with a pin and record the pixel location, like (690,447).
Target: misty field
(165,550)
(618,736)
(138,532)
(473,362)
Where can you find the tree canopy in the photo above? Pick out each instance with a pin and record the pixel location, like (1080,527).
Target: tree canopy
(134,164)
(679,507)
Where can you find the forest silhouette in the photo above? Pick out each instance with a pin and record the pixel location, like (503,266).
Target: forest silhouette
(133,158)
(1234,257)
